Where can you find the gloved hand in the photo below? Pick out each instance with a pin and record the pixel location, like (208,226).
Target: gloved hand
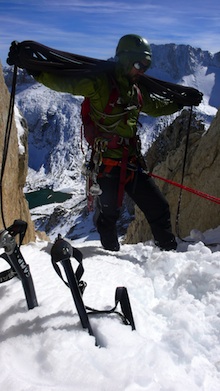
(198,98)
(13,55)
(32,73)
(194,98)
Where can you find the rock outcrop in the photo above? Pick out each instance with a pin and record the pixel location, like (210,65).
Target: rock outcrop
(14,204)
(165,159)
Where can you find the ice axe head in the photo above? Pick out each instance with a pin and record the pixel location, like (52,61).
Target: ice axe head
(61,250)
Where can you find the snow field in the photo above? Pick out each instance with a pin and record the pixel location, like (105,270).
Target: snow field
(175,302)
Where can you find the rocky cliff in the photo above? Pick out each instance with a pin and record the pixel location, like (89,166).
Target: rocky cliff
(14,203)
(165,158)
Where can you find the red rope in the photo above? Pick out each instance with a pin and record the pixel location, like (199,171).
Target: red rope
(189,189)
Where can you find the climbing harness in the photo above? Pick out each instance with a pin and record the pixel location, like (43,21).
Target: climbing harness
(102,137)
(90,127)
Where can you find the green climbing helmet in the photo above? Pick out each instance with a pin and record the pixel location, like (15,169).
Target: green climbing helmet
(132,48)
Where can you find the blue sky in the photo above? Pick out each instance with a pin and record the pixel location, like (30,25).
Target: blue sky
(93,27)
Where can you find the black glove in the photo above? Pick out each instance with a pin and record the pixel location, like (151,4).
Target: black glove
(33,73)
(194,98)
(13,55)
(198,98)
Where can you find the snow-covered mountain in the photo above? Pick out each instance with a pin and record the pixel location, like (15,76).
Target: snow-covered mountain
(55,150)
(190,66)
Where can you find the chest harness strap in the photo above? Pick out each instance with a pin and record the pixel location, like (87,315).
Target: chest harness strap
(110,140)
(120,142)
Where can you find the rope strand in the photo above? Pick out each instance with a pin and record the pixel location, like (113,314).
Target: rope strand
(189,189)
(7,138)
(183,174)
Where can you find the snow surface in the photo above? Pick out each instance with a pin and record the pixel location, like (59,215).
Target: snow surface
(20,130)
(175,298)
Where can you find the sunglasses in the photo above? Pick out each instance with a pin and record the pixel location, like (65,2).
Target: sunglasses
(140,67)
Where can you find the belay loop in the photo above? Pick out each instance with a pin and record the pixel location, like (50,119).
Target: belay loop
(61,252)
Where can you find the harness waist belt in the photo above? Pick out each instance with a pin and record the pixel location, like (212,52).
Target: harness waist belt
(114,141)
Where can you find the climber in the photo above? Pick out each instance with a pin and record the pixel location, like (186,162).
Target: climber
(116,145)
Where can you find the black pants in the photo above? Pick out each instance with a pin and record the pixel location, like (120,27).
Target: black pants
(147,196)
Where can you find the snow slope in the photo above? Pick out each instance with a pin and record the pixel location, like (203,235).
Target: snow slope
(175,298)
